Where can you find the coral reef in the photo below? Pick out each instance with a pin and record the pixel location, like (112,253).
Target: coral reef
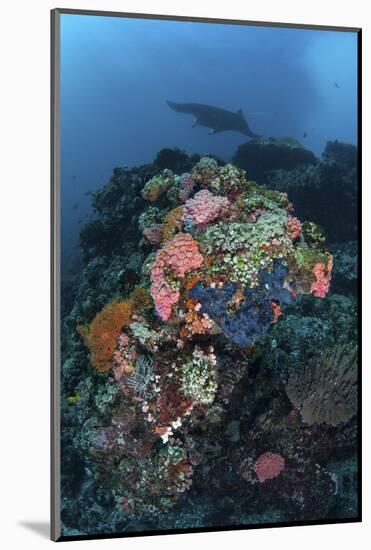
(222,333)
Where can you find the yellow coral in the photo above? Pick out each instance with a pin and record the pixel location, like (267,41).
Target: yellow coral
(157,185)
(172,223)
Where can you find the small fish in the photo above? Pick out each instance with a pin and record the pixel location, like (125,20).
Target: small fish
(79,221)
(75,206)
(73,177)
(336,85)
(305,135)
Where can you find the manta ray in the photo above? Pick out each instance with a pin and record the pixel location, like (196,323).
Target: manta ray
(218,120)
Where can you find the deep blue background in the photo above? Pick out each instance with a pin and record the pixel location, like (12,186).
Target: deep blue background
(116,75)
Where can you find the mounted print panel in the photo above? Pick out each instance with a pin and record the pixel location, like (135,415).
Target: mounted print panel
(205,238)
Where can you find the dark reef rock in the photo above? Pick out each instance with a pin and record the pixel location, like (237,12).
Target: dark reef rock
(177,160)
(115,207)
(260,156)
(325,192)
(174,159)
(345,270)
(341,154)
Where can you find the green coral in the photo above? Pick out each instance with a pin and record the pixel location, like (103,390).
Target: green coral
(151,216)
(257,196)
(205,171)
(157,185)
(198,377)
(230,178)
(305,257)
(245,247)
(106,395)
(172,194)
(146,336)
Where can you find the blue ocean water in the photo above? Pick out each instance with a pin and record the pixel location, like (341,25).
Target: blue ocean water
(116,75)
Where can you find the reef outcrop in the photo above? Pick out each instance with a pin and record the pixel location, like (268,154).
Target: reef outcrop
(203,303)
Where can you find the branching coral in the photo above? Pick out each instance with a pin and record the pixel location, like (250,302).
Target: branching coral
(147,337)
(230,180)
(156,482)
(241,249)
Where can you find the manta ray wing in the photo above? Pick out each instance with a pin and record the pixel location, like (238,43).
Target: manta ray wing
(215,118)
